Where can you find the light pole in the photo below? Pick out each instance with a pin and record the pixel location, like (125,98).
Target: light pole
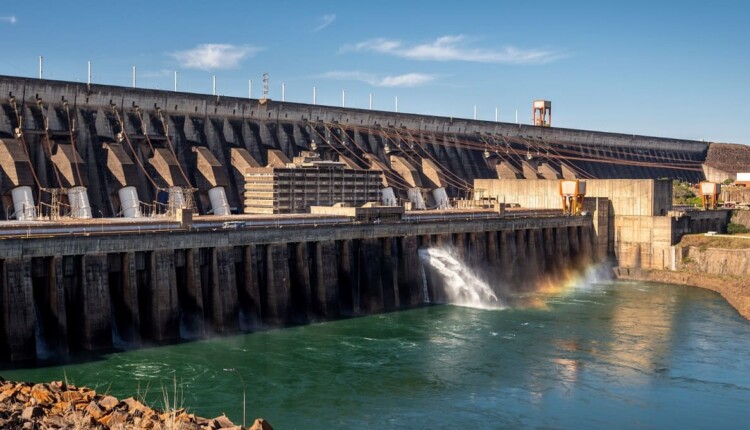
(242,381)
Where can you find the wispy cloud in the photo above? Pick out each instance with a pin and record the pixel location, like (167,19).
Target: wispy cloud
(453,48)
(325,21)
(210,56)
(405,80)
(9,19)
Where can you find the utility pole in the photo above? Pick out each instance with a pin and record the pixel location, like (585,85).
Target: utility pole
(175,81)
(314,95)
(41,66)
(214,79)
(133,76)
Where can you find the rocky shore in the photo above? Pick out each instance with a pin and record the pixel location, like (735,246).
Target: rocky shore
(57,405)
(735,291)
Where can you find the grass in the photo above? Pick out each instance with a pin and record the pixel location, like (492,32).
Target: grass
(704,242)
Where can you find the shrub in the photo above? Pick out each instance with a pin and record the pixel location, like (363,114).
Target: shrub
(733,228)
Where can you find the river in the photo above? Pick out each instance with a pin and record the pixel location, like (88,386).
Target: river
(595,355)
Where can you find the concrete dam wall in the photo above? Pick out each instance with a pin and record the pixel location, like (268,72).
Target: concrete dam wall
(59,295)
(125,144)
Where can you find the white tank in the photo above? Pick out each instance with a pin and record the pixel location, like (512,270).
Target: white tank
(79,203)
(129,203)
(388,197)
(23,203)
(415,196)
(176,198)
(441,198)
(219,202)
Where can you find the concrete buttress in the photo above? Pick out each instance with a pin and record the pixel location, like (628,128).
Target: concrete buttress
(225,308)
(18,309)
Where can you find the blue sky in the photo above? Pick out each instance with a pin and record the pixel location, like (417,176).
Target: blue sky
(670,68)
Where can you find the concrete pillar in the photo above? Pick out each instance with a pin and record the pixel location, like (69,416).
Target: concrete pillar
(522,262)
(249,294)
(278,300)
(191,300)
(587,245)
(410,285)
(535,261)
(371,280)
(95,305)
(562,247)
(130,325)
(461,245)
(575,247)
(389,270)
(548,246)
(160,300)
(301,288)
(508,255)
(349,285)
(225,309)
(477,256)
(19,320)
(56,306)
(326,282)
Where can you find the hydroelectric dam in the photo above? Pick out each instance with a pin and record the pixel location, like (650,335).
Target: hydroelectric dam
(141,216)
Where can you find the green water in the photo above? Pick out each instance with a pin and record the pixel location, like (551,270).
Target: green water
(614,355)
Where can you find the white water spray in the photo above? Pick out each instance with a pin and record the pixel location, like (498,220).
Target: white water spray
(462,286)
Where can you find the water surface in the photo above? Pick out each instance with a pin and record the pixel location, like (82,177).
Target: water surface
(611,355)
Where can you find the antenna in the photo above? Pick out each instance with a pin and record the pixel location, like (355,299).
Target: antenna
(249,88)
(89,79)
(396,103)
(41,66)
(175,81)
(214,81)
(133,76)
(265,86)
(497,114)
(370,101)
(475,112)
(343,98)
(314,95)
(283,91)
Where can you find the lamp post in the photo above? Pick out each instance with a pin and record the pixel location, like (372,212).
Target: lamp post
(242,381)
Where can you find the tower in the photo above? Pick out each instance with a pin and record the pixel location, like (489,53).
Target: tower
(542,113)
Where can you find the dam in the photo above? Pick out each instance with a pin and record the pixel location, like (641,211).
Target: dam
(141,216)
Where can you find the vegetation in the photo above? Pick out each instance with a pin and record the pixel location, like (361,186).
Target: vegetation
(704,242)
(734,228)
(682,194)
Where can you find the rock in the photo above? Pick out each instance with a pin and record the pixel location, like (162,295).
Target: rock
(42,395)
(94,410)
(261,424)
(116,418)
(108,402)
(32,412)
(134,405)
(71,396)
(221,422)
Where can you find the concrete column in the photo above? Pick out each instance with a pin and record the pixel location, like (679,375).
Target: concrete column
(225,310)
(410,286)
(522,262)
(461,246)
(575,247)
(587,244)
(249,293)
(562,247)
(389,270)
(301,286)
(96,315)
(131,323)
(508,255)
(536,261)
(162,304)
(326,285)
(478,250)
(551,261)
(349,285)
(370,269)
(278,298)
(58,310)
(191,301)
(19,320)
